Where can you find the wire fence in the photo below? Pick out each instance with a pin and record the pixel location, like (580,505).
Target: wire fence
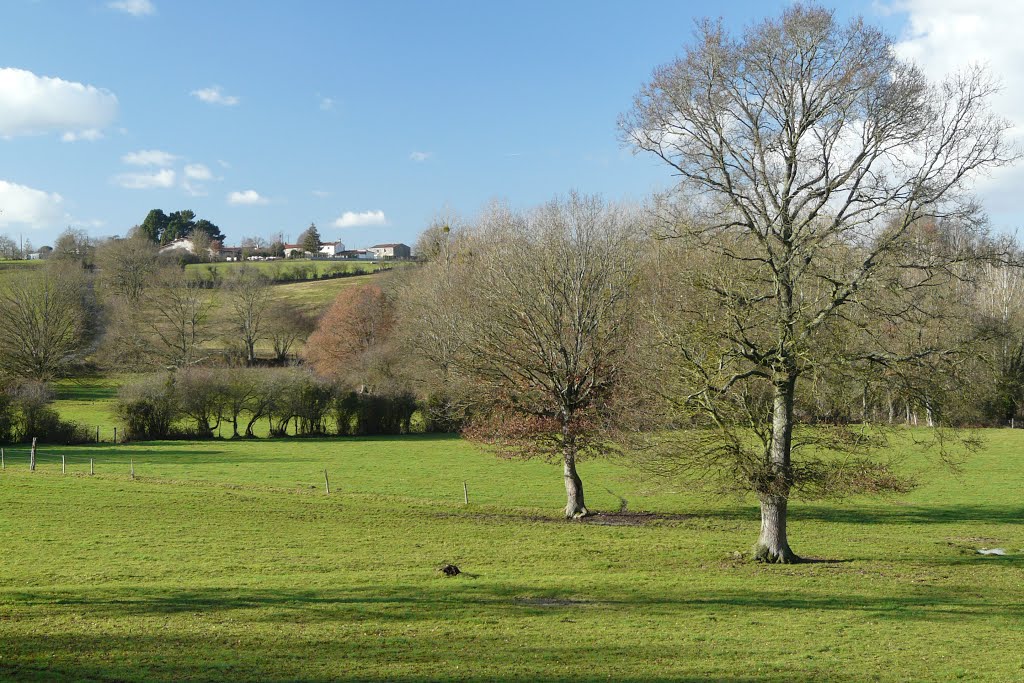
(31,457)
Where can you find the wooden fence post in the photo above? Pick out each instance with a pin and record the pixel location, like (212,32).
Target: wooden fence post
(465,492)
(92,467)
(132,461)
(115,434)
(327,483)
(63,465)
(3,463)
(32,457)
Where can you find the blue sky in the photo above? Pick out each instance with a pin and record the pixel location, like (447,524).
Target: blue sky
(367,118)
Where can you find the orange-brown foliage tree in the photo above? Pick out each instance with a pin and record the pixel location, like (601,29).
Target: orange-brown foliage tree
(349,339)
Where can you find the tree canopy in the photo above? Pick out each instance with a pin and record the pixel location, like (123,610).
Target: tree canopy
(163,228)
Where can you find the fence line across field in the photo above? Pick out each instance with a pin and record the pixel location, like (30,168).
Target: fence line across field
(26,454)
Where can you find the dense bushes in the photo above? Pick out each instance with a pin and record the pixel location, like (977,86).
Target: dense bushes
(25,413)
(199,402)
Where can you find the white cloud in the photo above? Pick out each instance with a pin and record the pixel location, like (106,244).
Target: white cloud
(943,36)
(146,181)
(22,205)
(193,174)
(326,103)
(149,157)
(247,197)
(320,194)
(419,156)
(352,219)
(91,135)
(198,172)
(31,104)
(136,8)
(214,95)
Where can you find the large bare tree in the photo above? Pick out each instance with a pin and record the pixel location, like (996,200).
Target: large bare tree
(44,319)
(806,152)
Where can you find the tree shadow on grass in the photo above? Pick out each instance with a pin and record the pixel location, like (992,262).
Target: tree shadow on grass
(457,596)
(412,633)
(893,513)
(182,654)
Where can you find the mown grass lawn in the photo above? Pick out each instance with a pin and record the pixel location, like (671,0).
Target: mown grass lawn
(226,560)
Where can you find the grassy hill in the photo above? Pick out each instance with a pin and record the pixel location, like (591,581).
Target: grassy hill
(287,270)
(227,561)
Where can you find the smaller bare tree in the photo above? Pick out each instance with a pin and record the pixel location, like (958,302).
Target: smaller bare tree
(248,295)
(179,311)
(547,329)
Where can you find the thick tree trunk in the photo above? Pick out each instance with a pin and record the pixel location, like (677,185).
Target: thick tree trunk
(773,545)
(574,506)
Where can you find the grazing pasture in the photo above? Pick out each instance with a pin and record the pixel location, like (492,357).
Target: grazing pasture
(226,560)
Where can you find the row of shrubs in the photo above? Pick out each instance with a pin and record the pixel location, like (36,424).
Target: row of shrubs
(199,402)
(25,413)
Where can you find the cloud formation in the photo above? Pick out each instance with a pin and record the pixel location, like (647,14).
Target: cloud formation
(91,135)
(147,181)
(352,219)
(136,8)
(149,157)
(27,206)
(247,197)
(32,105)
(215,95)
(198,172)
(943,36)
(419,156)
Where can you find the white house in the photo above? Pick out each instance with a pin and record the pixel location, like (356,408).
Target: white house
(331,249)
(184,243)
(328,249)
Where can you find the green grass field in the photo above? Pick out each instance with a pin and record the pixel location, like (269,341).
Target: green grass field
(284,269)
(316,295)
(227,561)
(19,264)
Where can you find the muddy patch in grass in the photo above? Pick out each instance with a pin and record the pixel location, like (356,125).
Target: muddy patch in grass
(550,602)
(597,518)
(631,518)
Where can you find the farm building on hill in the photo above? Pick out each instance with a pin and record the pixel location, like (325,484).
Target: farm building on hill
(391,251)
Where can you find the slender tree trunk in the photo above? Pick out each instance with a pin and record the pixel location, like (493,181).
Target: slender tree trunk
(574,506)
(773,544)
